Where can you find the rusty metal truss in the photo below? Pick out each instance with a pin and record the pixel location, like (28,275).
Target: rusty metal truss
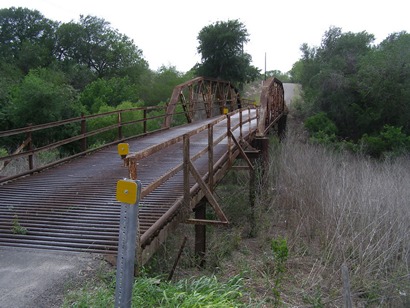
(203,98)
(272,105)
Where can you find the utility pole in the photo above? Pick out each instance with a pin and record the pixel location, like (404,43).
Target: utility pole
(265,65)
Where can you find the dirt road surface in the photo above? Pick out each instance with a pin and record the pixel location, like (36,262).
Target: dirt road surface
(292,90)
(31,279)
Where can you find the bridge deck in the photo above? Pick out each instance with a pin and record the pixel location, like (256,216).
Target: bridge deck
(73,207)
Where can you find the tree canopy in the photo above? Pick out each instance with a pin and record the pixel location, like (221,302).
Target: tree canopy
(361,87)
(51,70)
(26,38)
(94,44)
(221,46)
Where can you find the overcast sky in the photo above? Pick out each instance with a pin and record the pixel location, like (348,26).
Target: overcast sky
(166,30)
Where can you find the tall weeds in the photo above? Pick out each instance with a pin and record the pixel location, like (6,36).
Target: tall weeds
(349,209)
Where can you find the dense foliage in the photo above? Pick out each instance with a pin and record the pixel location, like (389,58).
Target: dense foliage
(51,71)
(362,88)
(221,48)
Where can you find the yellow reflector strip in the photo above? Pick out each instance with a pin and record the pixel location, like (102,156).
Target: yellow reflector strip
(225,110)
(127,191)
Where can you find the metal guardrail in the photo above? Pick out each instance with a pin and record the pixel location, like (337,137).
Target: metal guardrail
(28,147)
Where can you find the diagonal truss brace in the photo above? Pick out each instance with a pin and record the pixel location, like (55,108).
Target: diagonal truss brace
(211,199)
(243,154)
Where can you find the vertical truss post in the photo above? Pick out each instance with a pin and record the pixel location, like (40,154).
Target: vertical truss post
(145,121)
(282,127)
(200,233)
(249,119)
(187,187)
(228,124)
(132,167)
(252,197)
(211,156)
(83,132)
(30,148)
(119,126)
(240,126)
(262,144)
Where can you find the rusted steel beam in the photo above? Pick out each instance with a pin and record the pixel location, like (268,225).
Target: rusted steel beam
(272,104)
(200,233)
(210,197)
(244,156)
(211,157)
(168,221)
(82,136)
(195,221)
(38,127)
(160,146)
(221,165)
(17,151)
(212,93)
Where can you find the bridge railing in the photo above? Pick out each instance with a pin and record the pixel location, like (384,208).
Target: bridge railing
(114,126)
(198,98)
(187,164)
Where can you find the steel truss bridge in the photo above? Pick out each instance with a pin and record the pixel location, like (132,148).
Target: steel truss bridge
(70,204)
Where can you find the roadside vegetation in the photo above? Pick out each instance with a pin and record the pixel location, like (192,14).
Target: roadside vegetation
(356,93)
(316,210)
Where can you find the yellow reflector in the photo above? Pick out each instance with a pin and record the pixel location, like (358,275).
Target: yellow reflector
(225,110)
(127,191)
(123,149)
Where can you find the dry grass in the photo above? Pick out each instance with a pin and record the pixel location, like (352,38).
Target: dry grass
(340,208)
(333,208)
(21,165)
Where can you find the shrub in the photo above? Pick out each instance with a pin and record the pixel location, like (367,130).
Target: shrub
(320,123)
(390,142)
(3,152)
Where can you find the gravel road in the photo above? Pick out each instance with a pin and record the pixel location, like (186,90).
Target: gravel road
(31,279)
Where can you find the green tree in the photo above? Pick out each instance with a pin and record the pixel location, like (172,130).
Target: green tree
(94,43)
(43,96)
(296,71)
(108,92)
(159,88)
(284,77)
(26,38)
(329,77)
(384,85)
(112,135)
(221,46)
(10,76)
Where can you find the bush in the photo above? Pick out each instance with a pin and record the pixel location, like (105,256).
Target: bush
(3,152)
(390,142)
(320,123)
